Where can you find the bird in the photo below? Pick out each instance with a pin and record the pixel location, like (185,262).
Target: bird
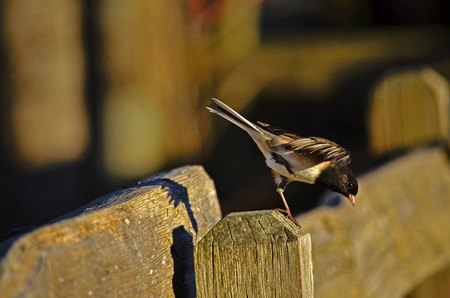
(291,157)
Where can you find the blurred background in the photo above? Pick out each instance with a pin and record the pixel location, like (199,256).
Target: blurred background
(96,95)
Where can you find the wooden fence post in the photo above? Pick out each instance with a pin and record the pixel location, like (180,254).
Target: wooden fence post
(254,254)
(409,108)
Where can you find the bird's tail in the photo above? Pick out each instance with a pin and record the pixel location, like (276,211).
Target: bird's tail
(221,109)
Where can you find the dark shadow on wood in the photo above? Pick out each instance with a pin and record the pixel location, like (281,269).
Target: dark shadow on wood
(182,251)
(178,194)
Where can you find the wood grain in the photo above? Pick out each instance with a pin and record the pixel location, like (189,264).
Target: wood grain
(135,242)
(254,254)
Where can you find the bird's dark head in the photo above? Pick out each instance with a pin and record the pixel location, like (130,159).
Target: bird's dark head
(339,179)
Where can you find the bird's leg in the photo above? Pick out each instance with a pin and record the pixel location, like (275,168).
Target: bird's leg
(287,210)
(282,182)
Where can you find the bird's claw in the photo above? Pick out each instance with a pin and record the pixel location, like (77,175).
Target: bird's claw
(289,215)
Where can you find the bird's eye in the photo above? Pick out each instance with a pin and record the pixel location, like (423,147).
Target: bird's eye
(350,185)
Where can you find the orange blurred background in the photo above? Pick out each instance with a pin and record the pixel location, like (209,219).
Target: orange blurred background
(96,95)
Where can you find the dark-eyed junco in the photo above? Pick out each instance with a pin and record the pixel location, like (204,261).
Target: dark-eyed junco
(295,158)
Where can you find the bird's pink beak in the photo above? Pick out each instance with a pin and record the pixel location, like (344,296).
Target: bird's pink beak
(351,198)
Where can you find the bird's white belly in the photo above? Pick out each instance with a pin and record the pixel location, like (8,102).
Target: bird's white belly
(307,174)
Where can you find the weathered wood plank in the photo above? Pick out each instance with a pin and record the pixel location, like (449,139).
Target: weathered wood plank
(397,234)
(254,254)
(136,242)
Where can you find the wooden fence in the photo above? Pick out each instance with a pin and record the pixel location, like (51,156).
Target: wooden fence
(141,241)
(164,237)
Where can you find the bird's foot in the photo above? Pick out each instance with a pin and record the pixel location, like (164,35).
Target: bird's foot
(289,215)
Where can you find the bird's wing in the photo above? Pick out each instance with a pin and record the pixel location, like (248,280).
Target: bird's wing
(320,147)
